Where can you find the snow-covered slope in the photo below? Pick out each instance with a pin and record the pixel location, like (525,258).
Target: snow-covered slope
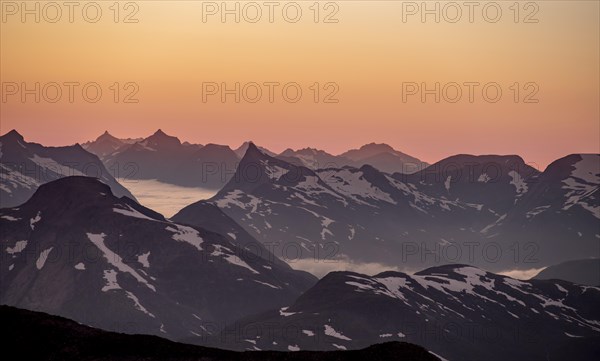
(77,251)
(458,312)
(449,212)
(25,166)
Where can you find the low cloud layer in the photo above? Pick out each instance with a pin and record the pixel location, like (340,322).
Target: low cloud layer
(320,268)
(164,198)
(522,274)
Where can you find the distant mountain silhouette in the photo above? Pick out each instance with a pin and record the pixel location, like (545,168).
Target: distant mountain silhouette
(384,158)
(107,144)
(583,272)
(25,166)
(381,156)
(166,159)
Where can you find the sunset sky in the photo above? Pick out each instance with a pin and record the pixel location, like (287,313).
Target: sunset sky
(170,52)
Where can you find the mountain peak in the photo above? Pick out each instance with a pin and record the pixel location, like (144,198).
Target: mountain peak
(369,150)
(252,152)
(382,147)
(13,135)
(161,138)
(243,149)
(106,136)
(73,189)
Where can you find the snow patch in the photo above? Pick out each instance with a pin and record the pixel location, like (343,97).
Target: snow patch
(139,307)
(41,261)
(267,284)
(489,226)
(34,220)
(353,185)
(588,168)
(583,184)
(229,256)
(518,182)
(570,335)
(282,312)
(483,178)
(18,248)
(274,172)
(186,234)
(111,281)
(130,212)
(143,259)
(116,260)
(537,210)
(308,333)
(330,331)
(438,356)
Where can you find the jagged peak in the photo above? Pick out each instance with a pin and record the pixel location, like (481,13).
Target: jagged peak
(160,137)
(106,136)
(252,151)
(13,134)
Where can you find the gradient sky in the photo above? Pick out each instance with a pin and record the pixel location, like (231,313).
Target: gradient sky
(369,53)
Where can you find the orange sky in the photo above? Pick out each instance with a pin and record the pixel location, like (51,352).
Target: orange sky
(170,52)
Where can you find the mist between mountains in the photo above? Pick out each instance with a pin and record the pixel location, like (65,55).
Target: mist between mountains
(292,252)
(252,172)
(270,12)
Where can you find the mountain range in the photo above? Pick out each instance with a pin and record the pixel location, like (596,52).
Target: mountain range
(25,166)
(227,272)
(167,159)
(107,144)
(381,156)
(493,211)
(458,312)
(75,247)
